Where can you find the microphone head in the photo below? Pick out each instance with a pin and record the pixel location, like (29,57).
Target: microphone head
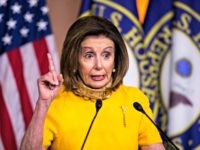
(98,104)
(138,107)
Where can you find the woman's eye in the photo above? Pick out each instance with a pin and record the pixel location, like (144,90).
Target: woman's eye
(88,55)
(106,55)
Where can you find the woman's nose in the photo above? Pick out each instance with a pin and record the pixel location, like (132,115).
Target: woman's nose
(98,64)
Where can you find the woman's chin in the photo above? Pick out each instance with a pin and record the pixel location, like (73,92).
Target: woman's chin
(97,85)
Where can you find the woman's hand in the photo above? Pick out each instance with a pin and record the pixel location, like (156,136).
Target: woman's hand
(48,86)
(50,83)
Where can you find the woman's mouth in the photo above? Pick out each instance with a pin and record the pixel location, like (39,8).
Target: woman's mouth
(97,77)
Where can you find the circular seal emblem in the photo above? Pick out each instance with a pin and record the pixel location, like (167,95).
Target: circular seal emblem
(180,86)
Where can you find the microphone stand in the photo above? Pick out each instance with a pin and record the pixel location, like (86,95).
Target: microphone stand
(98,106)
(168,144)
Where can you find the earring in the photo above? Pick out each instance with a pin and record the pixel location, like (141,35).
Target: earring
(74,71)
(113,70)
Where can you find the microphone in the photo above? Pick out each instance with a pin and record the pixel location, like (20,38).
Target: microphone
(98,106)
(168,144)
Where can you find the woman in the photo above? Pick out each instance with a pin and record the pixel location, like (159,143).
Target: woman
(87,106)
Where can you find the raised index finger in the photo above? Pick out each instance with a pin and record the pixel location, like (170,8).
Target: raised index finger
(51,63)
(52,68)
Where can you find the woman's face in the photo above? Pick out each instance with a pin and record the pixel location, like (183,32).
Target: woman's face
(96,60)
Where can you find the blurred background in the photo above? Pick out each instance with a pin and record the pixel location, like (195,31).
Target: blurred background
(62,14)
